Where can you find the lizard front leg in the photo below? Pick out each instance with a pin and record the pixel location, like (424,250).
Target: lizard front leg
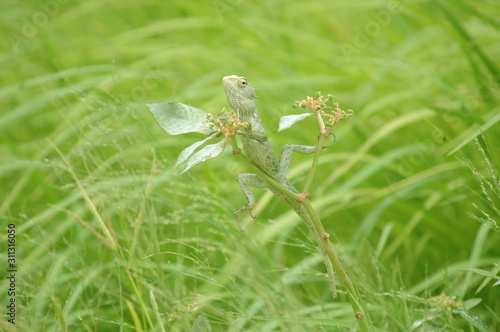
(286,157)
(245,180)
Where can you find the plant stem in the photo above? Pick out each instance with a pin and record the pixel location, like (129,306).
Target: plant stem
(344,278)
(319,146)
(263,174)
(318,228)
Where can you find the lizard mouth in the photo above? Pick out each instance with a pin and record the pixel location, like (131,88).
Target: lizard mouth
(240,94)
(229,80)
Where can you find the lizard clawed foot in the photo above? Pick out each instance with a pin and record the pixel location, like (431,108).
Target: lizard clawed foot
(245,207)
(334,140)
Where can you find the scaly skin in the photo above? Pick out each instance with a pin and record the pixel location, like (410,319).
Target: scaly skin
(242,99)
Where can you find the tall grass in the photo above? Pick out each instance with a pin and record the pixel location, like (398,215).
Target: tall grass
(111,238)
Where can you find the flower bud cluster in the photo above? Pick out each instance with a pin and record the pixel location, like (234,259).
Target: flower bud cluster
(446,302)
(326,107)
(227,122)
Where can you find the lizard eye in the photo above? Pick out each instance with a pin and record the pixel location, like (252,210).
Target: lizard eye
(242,82)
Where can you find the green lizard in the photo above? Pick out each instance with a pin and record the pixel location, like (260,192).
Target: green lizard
(242,99)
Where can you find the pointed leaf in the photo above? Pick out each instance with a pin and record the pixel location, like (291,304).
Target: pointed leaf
(476,133)
(474,319)
(418,323)
(177,118)
(289,120)
(483,273)
(471,303)
(187,152)
(208,152)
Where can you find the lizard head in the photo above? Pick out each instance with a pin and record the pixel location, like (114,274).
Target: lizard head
(240,94)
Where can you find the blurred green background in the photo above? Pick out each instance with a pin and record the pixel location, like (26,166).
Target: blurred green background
(111,238)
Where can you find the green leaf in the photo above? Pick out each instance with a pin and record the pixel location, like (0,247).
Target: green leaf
(471,303)
(483,273)
(187,152)
(476,133)
(473,319)
(208,152)
(135,316)
(418,323)
(177,118)
(289,120)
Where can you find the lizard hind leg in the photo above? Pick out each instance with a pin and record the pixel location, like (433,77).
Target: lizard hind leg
(245,180)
